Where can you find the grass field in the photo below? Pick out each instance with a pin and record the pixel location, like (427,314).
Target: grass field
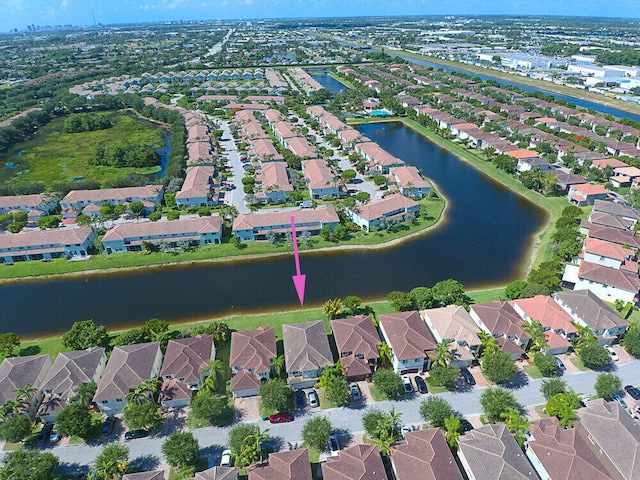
(54,156)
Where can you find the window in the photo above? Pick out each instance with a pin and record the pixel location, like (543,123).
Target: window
(296,373)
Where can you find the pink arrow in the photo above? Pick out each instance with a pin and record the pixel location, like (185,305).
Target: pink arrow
(298,280)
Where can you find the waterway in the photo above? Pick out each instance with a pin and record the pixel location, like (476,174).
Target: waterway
(327,81)
(483,241)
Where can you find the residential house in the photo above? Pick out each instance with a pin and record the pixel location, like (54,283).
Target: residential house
(612,435)
(424,455)
(155,475)
(614,235)
(412,343)
(561,454)
(454,325)
(557,324)
(607,283)
(410,181)
(306,352)
(127,367)
(198,188)
(28,203)
(491,453)
(357,341)
(612,221)
(45,244)
(499,319)
(586,194)
(586,309)
(186,361)
(617,209)
(379,213)
(289,465)
(322,180)
(18,372)
(250,360)
(272,182)
(130,237)
(358,462)
(217,473)
(608,254)
(250,227)
(374,153)
(77,200)
(69,371)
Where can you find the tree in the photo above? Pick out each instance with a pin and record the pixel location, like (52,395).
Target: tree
(316,432)
(552,387)
(277,394)
(29,465)
(245,443)
(9,341)
(235,242)
(514,290)
(450,292)
(563,406)
(384,350)
(74,420)
(24,395)
(606,384)
(49,221)
(422,297)
(237,435)
(112,462)
(516,423)
(215,368)
(453,430)
(443,354)
(156,330)
(363,197)
(400,301)
(380,180)
(445,376)
(488,344)
(538,338)
(277,365)
(15,428)
(85,334)
(434,411)
(85,393)
(349,175)
(372,419)
(546,364)
(584,336)
(631,340)
(498,367)
(336,390)
(388,382)
(340,232)
(332,308)
(352,303)
(594,356)
(213,409)
(495,401)
(181,449)
(144,416)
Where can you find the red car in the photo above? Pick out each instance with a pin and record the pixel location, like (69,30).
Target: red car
(281,418)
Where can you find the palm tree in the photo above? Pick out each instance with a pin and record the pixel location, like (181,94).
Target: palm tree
(538,338)
(394,419)
(488,344)
(215,368)
(332,308)
(85,393)
(452,426)
(144,391)
(385,354)
(10,408)
(443,354)
(383,442)
(584,336)
(23,396)
(516,423)
(251,450)
(277,365)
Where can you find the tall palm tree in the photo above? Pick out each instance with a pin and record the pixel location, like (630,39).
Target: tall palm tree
(443,354)
(383,442)
(85,393)
(394,419)
(538,338)
(251,450)
(452,426)
(215,368)
(277,365)
(488,344)
(516,423)
(332,308)
(385,353)
(23,396)
(584,336)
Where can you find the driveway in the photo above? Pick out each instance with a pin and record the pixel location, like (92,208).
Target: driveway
(237,195)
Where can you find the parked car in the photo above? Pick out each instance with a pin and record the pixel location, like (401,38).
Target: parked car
(406,383)
(355,391)
(281,418)
(53,436)
(300,399)
(313,398)
(45,432)
(404,430)
(107,426)
(561,366)
(468,378)
(466,425)
(421,385)
(618,398)
(133,434)
(633,391)
(614,355)
(225,460)
(334,446)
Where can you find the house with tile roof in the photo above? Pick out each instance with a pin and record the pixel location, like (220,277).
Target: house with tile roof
(617,451)
(272,182)
(607,254)
(614,235)
(306,352)
(69,371)
(499,319)
(18,372)
(322,180)
(126,368)
(618,209)
(186,361)
(289,465)
(199,188)
(609,220)
(561,454)
(155,475)
(357,341)
(588,310)
(491,453)
(424,454)
(27,203)
(412,343)
(392,208)
(358,462)
(410,181)
(608,283)
(217,473)
(454,324)
(250,360)
(40,244)
(584,194)
(78,199)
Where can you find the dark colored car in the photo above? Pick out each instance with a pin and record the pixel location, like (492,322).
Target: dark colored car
(46,431)
(561,365)
(466,425)
(300,399)
(633,391)
(107,427)
(281,418)
(420,384)
(132,434)
(466,374)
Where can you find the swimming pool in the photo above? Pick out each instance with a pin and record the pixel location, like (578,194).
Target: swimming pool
(380,113)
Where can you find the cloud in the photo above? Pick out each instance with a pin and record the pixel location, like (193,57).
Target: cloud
(14,5)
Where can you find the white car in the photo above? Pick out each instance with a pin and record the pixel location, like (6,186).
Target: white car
(612,352)
(406,383)
(225,460)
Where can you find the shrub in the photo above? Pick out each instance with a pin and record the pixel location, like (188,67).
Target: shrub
(388,382)
(594,356)
(499,367)
(546,364)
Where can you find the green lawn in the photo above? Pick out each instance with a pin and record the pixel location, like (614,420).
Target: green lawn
(533,371)
(577,361)
(376,394)
(488,295)
(433,388)
(54,156)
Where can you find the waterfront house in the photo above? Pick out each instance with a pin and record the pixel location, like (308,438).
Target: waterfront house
(186,361)
(45,244)
(250,360)
(608,283)
(69,371)
(374,215)
(586,194)
(586,309)
(424,455)
(608,254)
(608,220)
(288,465)
(130,237)
(18,372)
(28,203)
(357,341)
(198,188)
(306,352)
(617,209)
(357,462)
(560,453)
(154,475)
(499,319)
(454,325)
(322,180)
(412,343)
(79,199)
(127,367)
(410,181)
(491,453)
(272,182)
(614,235)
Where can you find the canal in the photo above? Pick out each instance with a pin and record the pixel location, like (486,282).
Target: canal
(484,241)
(327,81)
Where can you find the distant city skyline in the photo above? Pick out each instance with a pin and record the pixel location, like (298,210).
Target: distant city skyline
(18,14)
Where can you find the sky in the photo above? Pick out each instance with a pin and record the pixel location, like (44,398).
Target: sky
(20,13)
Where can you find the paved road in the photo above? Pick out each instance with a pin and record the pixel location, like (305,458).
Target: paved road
(147,451)
(237,195)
